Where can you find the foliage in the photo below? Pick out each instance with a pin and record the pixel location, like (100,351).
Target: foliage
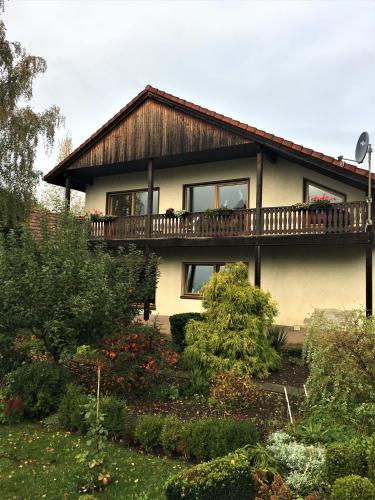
(364,416)
(277,337)
(11,410)
(147,431)
(21,129)
(353,486)
(341,354)
(200,439)
(71,410)
(350,457)
(304,464)
(173,436)
(136,356)
(231,391)
(275,491)
(311,431)
(227,478)
(50,470)
(94,458)
(178,324)
(65,293)
(232,336)
(40,386)
(53,197)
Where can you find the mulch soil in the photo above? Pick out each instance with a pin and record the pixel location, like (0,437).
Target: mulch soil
(269,409)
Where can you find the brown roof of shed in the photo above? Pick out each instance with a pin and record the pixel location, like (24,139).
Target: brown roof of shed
(263,136)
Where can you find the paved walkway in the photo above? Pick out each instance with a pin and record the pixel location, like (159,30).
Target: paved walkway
(292,390)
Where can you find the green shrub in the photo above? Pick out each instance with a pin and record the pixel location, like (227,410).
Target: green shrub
(72,409)
(353,487)
(226,478)
(39,385)
(178,324)
(371,458)
(199,436)
(147,431)
(115,416)
(174,436)
(344,459)
(228,435)
(233,335)
(277,337)
(365,418)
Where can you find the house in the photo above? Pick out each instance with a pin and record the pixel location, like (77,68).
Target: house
(161,152)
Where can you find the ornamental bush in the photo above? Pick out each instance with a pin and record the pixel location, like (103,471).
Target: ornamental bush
(39,385)
(233,335)
(341,355)
(226,478)
(173,436)
(344,459)
(147,431)
(71,412)
(178,324)
(353,487)
(304,464)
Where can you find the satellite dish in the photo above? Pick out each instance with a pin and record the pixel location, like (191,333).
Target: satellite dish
(362,147)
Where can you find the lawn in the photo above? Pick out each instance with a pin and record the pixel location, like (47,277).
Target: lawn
(38,463)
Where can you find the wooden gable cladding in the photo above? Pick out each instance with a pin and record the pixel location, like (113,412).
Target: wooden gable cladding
(156,130)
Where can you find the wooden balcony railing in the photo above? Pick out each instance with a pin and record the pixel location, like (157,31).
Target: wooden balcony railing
(339,218)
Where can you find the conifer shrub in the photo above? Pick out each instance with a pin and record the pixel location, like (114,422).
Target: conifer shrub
(71,412)
(353,487)
(233,335)
(178,324)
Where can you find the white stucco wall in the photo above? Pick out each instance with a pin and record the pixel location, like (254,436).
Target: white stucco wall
(300,278)
(282,182)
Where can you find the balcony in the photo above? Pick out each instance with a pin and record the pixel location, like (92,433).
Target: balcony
(288,221)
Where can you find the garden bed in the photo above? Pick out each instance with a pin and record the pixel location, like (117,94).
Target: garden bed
(291,373)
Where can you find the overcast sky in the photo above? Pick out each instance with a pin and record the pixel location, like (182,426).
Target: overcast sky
(304,70)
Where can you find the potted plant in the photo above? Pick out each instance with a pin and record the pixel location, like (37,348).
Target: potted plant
(213,212)
(170,213)
(98,216)
(300,207)
(321,202)
(181,214)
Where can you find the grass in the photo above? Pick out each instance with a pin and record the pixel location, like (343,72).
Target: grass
(37,463)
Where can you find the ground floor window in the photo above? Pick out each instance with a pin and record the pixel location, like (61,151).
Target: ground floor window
(195,275)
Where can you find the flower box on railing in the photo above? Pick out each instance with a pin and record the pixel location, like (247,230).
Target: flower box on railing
(97,216)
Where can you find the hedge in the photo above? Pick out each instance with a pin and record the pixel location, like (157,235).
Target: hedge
(353,457)
(178,324)
(226,478)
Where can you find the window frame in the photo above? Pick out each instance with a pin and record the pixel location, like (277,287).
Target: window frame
(216,185)
(133,193)
(306,183)
(184,271)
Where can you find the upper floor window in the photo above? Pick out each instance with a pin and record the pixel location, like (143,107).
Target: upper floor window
(313,190)
(131,203)
(227,194)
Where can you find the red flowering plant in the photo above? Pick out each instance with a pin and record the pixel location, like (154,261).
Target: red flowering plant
(11,410)
(323,201)
(131,361)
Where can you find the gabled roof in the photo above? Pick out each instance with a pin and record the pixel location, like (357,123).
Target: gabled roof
(257,135)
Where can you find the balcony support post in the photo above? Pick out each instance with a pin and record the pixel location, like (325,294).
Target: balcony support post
(258,219)
(150,195)
(67,190)
(369,280)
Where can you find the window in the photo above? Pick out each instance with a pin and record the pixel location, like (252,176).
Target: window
(195,275)
(131,203)
(312,190)
(231,194)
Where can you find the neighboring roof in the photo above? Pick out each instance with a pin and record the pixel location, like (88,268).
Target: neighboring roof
(263,136)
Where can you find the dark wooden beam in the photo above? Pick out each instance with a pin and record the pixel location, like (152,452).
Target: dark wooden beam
(68,183)
(369,280)
(150,196)
(259,219)
(146,305)
(341,239)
